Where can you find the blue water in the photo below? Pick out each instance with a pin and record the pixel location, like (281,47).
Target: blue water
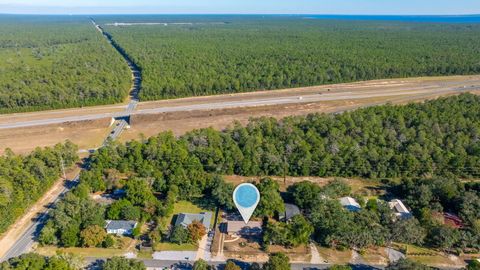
(426,19)
(246,196)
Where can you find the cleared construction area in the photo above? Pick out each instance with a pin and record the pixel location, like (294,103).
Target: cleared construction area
(87,126)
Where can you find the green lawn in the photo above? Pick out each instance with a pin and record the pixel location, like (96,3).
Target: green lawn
(188,207)
(144,255)
(334,256)
(425,255)
(84,252)
(182,207)
(174,247)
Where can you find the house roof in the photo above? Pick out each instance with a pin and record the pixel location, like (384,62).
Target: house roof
(237,226)
(350,203)
(121,225)
(398,206)
(186,219)
(291,210)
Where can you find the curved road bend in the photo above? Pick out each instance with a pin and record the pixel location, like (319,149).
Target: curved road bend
(25,242)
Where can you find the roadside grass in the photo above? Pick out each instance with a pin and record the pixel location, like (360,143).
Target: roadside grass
(375,256)
(333,256)
(145,255)
(122,246)
(84,252)
(425,255)
(412,250)
(437,260)
(174,247)
(298,254)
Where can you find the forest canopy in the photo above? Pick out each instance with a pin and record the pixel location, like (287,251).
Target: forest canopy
(437,137)
(24,179)
(55,62)
(207,55)
(419,151)
(51,62)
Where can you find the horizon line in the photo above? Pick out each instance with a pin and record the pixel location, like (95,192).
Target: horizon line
(248,14)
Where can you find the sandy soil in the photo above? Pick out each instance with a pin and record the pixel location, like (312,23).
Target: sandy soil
(182,122)
(375,85)
(355,183)
(90,134)
(87,134)
(8,238)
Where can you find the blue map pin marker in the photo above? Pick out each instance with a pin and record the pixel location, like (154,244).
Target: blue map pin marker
(246,198)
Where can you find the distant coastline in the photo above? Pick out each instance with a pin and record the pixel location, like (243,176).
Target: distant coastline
(402,18)
(154,18)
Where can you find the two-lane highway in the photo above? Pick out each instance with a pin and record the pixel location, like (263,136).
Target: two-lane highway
(256,99)
(25,242)
(124,117)
(343,92)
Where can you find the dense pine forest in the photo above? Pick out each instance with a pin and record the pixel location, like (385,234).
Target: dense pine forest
(24,179)
(225,54)
(419,151)
(50,62)
(437,137)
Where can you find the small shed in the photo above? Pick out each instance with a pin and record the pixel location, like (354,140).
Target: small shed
(120,227)
(350,204)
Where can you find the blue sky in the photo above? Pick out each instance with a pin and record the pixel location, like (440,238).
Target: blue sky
(371,7)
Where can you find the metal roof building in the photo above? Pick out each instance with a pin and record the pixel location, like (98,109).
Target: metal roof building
(350,204)
(120,227)
(399,208)
(291,210)
(185,219)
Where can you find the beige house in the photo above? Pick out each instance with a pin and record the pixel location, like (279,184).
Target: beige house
(239,228)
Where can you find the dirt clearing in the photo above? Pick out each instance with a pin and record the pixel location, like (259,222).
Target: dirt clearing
(183,115)
(87,134)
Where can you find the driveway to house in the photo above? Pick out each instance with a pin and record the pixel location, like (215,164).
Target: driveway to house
(204,247)
(394,255)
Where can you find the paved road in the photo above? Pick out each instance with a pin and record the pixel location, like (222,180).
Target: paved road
(253,102)
(28,238)
(25,242)
(124,117)
(187,265)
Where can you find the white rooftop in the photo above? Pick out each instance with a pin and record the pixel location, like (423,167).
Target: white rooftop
(398,206)
(350,203)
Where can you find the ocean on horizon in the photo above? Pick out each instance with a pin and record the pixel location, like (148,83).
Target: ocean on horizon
(403,18)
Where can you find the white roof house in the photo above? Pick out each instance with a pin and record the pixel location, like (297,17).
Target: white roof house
(120,227)
(399,208)
(350,204)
